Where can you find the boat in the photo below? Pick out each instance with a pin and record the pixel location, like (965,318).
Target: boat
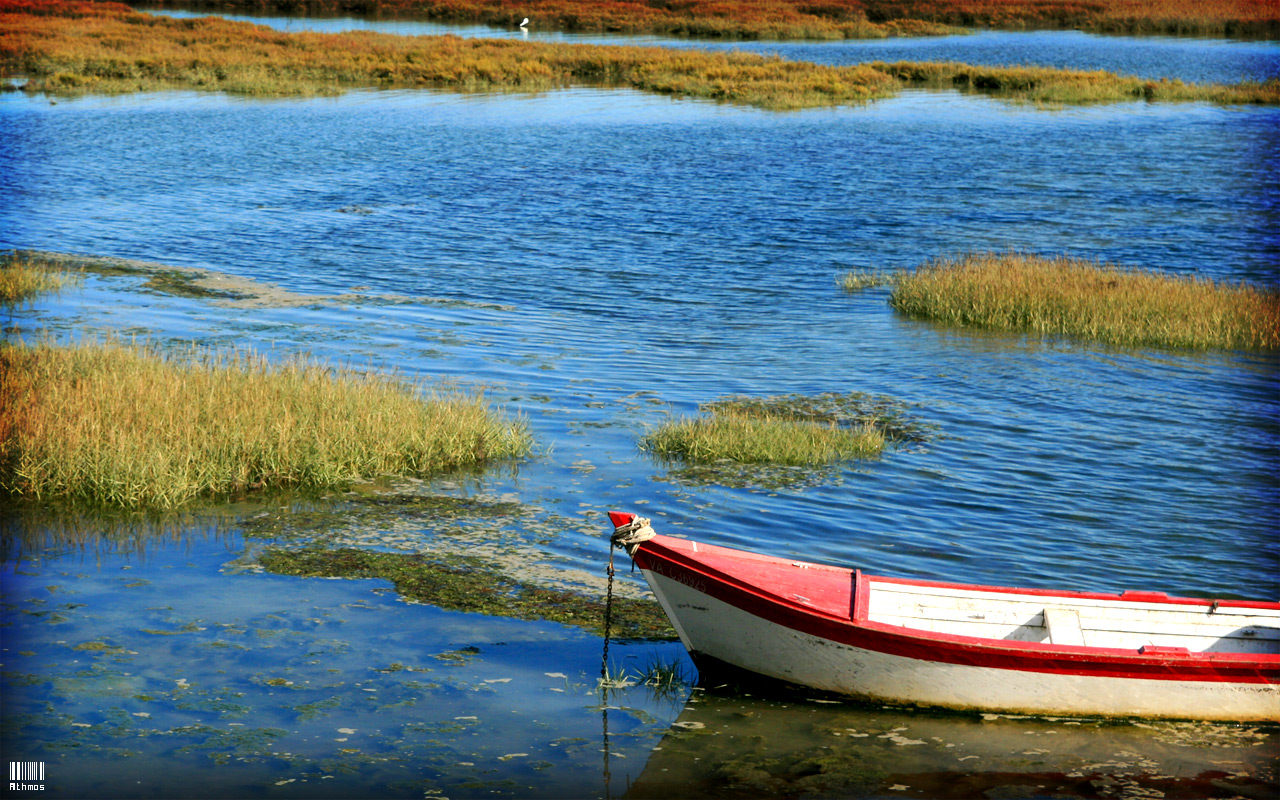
(960,646)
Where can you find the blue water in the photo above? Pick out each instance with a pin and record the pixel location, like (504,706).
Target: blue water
(637,256)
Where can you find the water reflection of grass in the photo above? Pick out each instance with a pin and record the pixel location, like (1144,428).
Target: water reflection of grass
(70,47)
(130,426)
(1088,300)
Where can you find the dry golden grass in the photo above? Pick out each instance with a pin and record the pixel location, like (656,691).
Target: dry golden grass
(1063,296)
(74,47)
(808,19)
(715,19)
(127,426)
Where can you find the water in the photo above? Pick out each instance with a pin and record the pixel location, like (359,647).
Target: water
(620,257)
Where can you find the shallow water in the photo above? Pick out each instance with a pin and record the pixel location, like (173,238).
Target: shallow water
(620,257)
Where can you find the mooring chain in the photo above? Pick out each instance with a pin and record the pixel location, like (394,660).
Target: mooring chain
(625,536)
(608,614)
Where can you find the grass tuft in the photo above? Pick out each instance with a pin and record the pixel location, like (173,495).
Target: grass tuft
(1064,296)
(128,426)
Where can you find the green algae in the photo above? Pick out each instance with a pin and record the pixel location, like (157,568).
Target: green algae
(99,647)
(465,583)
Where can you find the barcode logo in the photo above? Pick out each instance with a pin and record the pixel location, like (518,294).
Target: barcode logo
(26,770)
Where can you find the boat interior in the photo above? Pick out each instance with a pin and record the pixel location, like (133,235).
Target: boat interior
(1132,621)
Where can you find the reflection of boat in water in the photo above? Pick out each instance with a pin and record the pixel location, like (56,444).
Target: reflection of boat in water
(1140,654)
(736,746)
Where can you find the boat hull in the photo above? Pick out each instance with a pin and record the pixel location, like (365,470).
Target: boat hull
(960,646)
(717,631)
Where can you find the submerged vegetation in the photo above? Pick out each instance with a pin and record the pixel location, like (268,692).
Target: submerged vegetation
(1085,299)
(125,425)
(66,46)
(806,19)
(23,278)
(461,583)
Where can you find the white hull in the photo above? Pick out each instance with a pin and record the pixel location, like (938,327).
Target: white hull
(710,627)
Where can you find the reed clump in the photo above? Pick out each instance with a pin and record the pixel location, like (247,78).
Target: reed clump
(126,425)
(1065,296)
(24,277)
(68,47)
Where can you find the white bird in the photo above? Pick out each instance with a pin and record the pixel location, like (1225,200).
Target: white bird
(525,23)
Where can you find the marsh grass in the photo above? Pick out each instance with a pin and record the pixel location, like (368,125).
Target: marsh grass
(129,426)
(68,47)
(709,19)
(806,19)
(24,277)
(1064,296)
(71,47)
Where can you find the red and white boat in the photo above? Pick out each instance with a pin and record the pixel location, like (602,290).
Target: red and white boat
(928,643)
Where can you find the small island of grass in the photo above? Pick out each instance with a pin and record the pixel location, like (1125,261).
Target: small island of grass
(745,437)
(1064,296)
(791,430)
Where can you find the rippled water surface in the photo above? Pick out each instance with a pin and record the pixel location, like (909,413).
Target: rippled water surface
(618,258)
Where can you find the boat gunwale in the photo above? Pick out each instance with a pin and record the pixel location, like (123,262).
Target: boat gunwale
(857,631)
